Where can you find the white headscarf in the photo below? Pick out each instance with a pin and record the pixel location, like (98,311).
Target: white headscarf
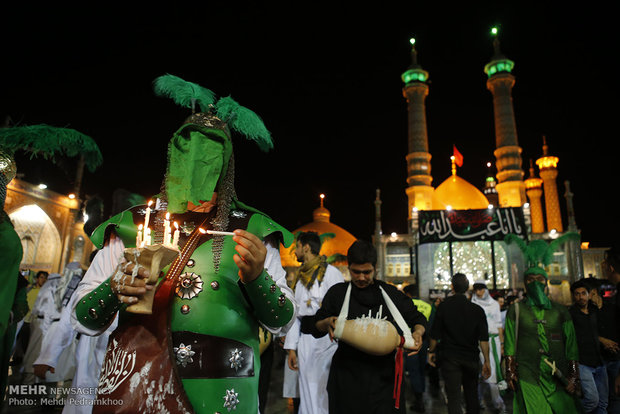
(486,301)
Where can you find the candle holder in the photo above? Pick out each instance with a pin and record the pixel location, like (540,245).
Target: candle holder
(154,258)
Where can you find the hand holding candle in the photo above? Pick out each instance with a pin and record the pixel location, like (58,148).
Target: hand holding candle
(250,256)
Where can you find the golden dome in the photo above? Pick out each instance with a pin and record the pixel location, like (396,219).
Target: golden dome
(338,244)
(459,195)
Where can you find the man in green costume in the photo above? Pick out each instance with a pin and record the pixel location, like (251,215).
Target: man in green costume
(229,285)
(542,360)
(10,257)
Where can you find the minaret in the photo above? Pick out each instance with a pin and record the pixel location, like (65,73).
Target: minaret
(419,191)
(378,237)
(548,172)
(490,190)
(570,209)
(534,191)
(500,81)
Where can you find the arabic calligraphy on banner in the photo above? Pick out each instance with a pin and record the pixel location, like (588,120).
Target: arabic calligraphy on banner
(469,225)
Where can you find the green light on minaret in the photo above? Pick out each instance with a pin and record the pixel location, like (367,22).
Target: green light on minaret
(415,73)
(499,63)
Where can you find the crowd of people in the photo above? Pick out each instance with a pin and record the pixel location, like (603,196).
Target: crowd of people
(44,348)
(508,353)
(349,345)
(486,349)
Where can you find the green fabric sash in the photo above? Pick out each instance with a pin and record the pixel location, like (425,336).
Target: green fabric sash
(496,357)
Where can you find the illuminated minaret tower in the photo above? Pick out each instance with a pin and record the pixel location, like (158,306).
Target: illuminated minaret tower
(534,191)
(548,172)
(419,191)
(500,81)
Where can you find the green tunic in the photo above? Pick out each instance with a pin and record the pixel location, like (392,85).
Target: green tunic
(10,258)
(217,305)
(542,334)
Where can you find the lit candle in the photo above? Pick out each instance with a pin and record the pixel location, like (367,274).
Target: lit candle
(147,237)
(147,216)
(175,237)
(220,233)
(167,230)
(139,237)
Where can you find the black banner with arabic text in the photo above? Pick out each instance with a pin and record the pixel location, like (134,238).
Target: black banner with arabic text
(436,226)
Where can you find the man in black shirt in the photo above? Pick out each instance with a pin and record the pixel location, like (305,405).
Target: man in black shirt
(359,382)
(592,370)
(459,327)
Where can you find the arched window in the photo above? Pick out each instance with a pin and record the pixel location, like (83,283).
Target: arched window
(474,259)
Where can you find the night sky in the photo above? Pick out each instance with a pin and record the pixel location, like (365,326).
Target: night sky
(326,81)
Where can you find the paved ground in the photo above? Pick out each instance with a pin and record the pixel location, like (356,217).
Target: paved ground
(435,402)
(434,398)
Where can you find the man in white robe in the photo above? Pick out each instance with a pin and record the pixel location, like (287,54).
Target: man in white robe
(87,354)
(44,315)
(311,356)
(495,382)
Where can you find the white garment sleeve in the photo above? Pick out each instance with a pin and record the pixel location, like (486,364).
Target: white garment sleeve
(333,276)
(56,340)
(292,336)
(497,319)
(46,306)
(273,266)
(102,267)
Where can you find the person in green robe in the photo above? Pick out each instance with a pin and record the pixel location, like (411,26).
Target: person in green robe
(225,285)
(542,360)
(11,248)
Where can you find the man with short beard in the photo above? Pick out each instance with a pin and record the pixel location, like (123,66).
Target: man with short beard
(311,356)
(360,382)
(592,370)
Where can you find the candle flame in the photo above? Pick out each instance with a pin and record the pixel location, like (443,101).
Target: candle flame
(203,231)
(176,225)
(150,202)
(140,227)
(167,216)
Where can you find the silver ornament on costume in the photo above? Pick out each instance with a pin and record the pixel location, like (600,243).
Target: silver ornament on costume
(190,285)
(231,399)
(183,354)
(188,227)
(8,167)
(235,359)
(238,214)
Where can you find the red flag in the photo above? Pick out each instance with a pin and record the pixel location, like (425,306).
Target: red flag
(458,157)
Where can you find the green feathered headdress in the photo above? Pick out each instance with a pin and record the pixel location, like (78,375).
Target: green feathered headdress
(231,113)
(49,141)
(244,121)
(183,93)
(538,253)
